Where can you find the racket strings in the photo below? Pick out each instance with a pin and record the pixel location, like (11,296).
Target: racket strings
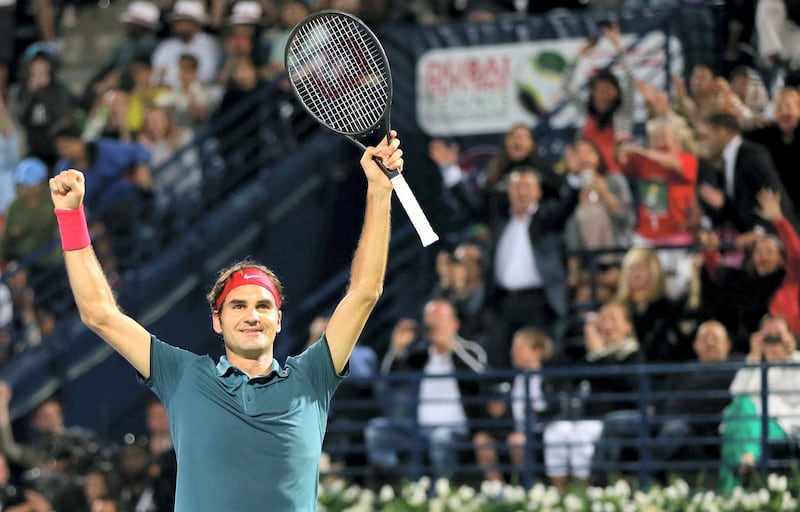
(340,73)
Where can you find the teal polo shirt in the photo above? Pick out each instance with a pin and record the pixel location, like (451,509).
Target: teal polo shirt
(245,444)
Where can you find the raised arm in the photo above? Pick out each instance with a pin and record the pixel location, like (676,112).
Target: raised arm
(93,295)
(369,263)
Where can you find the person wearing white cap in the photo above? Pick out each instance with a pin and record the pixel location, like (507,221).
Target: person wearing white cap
(141,21)
(187,18)
(244,38)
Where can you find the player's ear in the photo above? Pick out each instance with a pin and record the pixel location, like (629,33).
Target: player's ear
(215,322)
(280,319)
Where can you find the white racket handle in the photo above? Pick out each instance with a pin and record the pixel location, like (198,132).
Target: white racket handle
(415,213)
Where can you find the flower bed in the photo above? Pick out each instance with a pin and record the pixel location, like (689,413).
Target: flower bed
(424,496)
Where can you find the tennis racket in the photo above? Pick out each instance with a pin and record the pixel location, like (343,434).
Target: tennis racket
(340,74)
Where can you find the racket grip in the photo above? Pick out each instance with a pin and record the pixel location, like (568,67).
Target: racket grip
(412,208)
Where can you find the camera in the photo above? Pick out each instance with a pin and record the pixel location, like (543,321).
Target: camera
(773,339)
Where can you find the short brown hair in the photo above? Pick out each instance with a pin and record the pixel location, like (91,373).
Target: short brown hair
(537,339)
(227,272)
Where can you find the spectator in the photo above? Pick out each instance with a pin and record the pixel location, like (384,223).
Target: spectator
(747,169)
(642,291)
(528,272)
(42,102)
(745,97)
(767,282)
(609,106)
(140,23)
(569,440)
(241,143)
(179,170)
(293,12)
(33,26)
(442,404)
(192,101)
(782,140)
(742,423)
(143,93)
(484,195)
(188,17)
(665,174)
(163,462)
(528,405)
(778,34)
(245,38)
(603,219)
(52,447)
(9,156)
(29,225)
(462,282)
(690,428)
(118,170)
(702,101)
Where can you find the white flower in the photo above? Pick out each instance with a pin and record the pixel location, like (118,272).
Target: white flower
(572,503)
(367,497)
(536,493)
(622,488)
(550,498)
(597,506)
(595,493)
(351,494)
(492,488)
(436,505)
(418,497)
(454,503)
(787,502)
(338,486)
(425,482)
(442,487)
(763,496)
(466,493)
(513,493)
(777,483)
(682,487)
(387,493)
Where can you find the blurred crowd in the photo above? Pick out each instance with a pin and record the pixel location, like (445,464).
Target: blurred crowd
(679,243)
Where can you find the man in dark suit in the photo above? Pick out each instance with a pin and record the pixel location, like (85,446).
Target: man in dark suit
(782,140)
(528,274)
(729,195)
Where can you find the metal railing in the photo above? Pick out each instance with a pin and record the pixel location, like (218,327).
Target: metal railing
(394,397)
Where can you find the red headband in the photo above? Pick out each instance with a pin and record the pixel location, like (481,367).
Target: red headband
(249,276)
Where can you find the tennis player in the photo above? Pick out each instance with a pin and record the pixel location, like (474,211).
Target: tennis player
(247,432)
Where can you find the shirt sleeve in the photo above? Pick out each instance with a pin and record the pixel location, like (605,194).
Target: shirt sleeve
(167,365)
(316,364)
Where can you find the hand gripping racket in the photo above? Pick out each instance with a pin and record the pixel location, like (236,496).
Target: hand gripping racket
(340,74)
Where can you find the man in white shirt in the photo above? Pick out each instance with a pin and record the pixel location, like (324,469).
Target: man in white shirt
(435,411)
(529,271)
(188,17)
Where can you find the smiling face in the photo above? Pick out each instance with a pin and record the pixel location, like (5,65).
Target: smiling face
(767,256)
(248,321)
(519,143)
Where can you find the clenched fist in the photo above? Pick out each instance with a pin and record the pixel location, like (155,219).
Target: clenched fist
(67,189)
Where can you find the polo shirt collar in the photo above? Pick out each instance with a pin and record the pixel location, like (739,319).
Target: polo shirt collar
(225,369)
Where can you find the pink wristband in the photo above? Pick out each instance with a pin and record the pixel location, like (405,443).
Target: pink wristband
(73,228)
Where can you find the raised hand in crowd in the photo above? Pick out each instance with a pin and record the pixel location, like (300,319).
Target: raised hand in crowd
(403,335)
(443,153)
(769,204)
